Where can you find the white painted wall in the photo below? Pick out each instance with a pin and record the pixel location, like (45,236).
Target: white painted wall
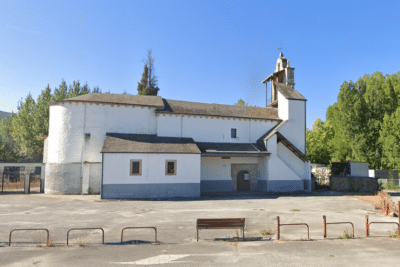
(283,107)
(262,167)
(116,168)
(292,161)
(217,169)
(66,133)
(212,129)
(295,129)
(69,123)
(359,169)
(276,168)
(169,125)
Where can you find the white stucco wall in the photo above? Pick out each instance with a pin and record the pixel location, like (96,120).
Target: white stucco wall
(283,107)
(169,125)
(262,167)
(117,166)
(292,161)
(69,123)
(212,129)
(278,170)
(359,169)
(218,169)
(295,129)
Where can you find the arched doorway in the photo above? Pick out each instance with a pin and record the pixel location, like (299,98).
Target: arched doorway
(243,181)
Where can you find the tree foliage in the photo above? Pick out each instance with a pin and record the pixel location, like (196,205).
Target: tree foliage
(319,147)
(148,83)
(242,103)
(22,136)
(358,117)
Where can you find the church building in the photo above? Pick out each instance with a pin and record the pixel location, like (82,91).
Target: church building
(134,147)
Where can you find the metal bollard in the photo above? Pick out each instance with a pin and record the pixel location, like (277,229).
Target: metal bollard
(366,226)
(277,228)
(324,224)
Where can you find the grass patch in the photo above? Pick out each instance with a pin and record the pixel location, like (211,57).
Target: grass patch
(295,210)
(346,235)
(395,233)
(266,232)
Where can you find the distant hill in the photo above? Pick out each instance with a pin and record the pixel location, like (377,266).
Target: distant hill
(4,114)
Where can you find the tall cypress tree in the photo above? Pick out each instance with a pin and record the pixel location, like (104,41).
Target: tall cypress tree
(148,83)
(142,85)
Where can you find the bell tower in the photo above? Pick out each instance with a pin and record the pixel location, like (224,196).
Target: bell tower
(283,74)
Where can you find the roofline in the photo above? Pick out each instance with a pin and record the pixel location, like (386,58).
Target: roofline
(101,102)
(207,115)
(243,154)
(273,75)
(197,153)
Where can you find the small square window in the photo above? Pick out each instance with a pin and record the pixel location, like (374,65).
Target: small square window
(136,167)
(170,167)
(233,133)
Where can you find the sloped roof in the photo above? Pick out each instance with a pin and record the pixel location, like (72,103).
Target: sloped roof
(291,147)
(271,132)
(219,110)
(232,149)
(148,143)
(288,92)
(135,100)
(168,106)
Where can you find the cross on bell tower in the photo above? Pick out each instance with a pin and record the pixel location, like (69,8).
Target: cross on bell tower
(283,74)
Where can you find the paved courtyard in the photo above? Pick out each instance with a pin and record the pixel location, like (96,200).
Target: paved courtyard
(176,224)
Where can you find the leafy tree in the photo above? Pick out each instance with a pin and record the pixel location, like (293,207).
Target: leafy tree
(148,83)
(339,144)
(8,147)
(22,136)
(319,142)
(390,139)
(242,103)
(357,119)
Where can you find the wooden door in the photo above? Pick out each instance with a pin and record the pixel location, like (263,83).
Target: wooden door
(242,184)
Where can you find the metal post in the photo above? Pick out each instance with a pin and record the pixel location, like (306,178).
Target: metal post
(366,226)
(197,240)
(277,228)
(398,228)
(324,224)
(384,205)
(387,208)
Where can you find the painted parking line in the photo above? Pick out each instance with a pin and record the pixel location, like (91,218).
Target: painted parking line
(162,259)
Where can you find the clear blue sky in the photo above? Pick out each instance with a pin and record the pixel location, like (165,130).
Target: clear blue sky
(205,51)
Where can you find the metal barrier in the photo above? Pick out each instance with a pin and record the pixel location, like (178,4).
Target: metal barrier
(40,229)
(155,230)
(73,229)
(278,225)
(325,223)
(368,224)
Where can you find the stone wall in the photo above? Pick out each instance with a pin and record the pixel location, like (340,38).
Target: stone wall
(353,184)
(252,169)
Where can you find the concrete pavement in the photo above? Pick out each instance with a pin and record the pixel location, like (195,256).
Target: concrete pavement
(176,222)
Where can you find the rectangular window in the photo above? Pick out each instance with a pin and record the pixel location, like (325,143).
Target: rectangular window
(170,167)
(136,167)
(233,133)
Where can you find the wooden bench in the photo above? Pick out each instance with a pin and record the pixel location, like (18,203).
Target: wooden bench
(233,223)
